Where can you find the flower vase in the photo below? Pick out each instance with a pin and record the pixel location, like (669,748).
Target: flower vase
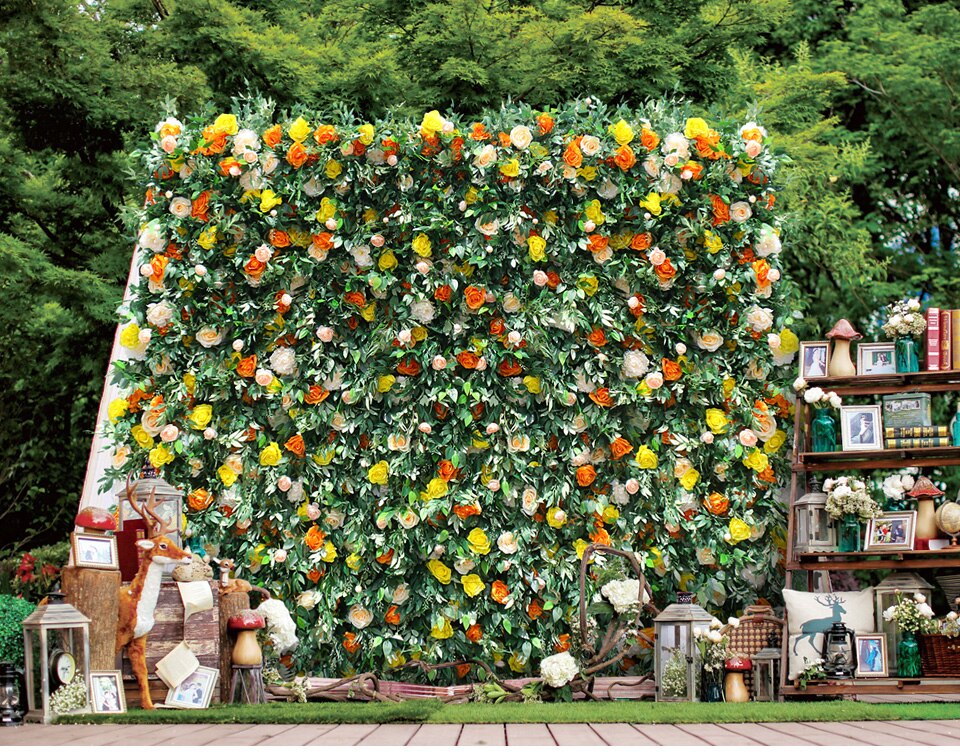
(908,361)
(824,430)
(908,655)
(849,539)
(712,690)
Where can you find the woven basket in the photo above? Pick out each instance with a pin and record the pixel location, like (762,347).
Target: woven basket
(939,655)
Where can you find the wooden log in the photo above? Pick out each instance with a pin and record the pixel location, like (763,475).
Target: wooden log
(230,604)
(94,593)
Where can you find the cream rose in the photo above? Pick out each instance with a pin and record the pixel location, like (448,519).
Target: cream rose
(486,157)
(408,519)
(209,337)
(709,341)
(400,594)
(520,137)
(159,314)
(359,617)
(511,303)
(740,211)
(180,207)
(589,145)
(507,543)
(398,442)
(487,228)
(760,319)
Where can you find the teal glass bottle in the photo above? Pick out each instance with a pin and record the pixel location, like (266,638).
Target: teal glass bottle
(908,360)
(823,430)
(908,655)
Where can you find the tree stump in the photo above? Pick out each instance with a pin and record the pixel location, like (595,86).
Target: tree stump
(95,594)
(230,604)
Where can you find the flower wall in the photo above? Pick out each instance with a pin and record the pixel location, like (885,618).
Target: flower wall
(406,372)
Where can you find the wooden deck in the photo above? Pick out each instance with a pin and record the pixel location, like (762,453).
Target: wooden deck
(941,733)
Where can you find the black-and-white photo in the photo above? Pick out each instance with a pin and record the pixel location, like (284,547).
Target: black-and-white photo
(860,428)
(814,356)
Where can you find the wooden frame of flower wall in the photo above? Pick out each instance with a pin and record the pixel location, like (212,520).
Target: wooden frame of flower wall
(407,372)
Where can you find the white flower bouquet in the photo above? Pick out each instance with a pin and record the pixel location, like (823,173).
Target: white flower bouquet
(712,648)
(905,321)
(896,486)
(816,396)
(912,615)
(849,496)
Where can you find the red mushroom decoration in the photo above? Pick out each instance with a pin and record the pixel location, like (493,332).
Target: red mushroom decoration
(246,652)
(95,520)
(842,334)
(735,689)
(924,492)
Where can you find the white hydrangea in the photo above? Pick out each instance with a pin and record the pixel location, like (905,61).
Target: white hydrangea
(635,363)
(280,625)
(623,594)
(559,669)
(283,361)
(422,311)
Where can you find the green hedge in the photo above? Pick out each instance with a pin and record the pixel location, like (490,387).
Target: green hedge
(13,611)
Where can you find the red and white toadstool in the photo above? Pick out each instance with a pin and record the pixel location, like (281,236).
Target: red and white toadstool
(246,652)
(842,334)
(924,491)
(95,520)
(734,688)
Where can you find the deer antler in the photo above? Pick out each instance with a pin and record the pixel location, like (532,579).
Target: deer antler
(158,525)
(830,600)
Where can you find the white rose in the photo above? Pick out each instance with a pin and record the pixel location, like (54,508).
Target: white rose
(307,599)
(507,543)
(589,145)
(159,314)
(244,140)
(635,363)
(623,594)
(359,617)
(608,189)
(400,594)
(283,361)
(422,311)
(740,211)
(209,337)
(334,518)
(676,143)
(768,242)
(361,256)
(152,238)
(180,207)
(520,137)
(709,341)
(760,319)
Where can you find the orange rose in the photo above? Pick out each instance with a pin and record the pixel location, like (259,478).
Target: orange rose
(463,670)
(463,511)
(620,447)
(355,298)
(553,279)
(441,411)
(586,475)
(535,609)
(562,644)
(649,139)
(315,395)
(477,410)
(545,123)
(273,135)
(442,294)
(247,367)
(158,264)
(392,617)
(572,156)
(226,164)
(474,633)
(601,397)
(314,575)
(641,242)
(199,499)
(350,642)
(479,132)
(474,297)
(597,243)
(279,239)
(695,168)
(297,155)
(254,268)
(721,210)
(671,369)
(323,241)
(324,134)
(468,360)
(665,270)
(446,470)
(761,269)
(600,536)
(497,327)
(625,159)
(597,338)
(296,446)
(509,368)
(214,141)
(200,207)
(314,538)
(716,504)
(409,367)
(499,592)
(385,558)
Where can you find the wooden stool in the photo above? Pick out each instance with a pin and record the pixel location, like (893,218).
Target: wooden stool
(248,680)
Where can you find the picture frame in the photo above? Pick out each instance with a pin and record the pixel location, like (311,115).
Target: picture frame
(891,531)
(877,359)
(814,359)
(95,551)
(861,428)
(196,691)
(106,692)
(871,655)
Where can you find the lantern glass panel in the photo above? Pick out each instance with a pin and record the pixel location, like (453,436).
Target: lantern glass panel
(677,665)
(885,596)
(765,669)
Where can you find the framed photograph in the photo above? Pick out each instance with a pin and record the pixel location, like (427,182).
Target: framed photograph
(96,551)
(891,531)
(196,691)
(106,692)
(860,428)
(877,359)
(871,655)
(814,358)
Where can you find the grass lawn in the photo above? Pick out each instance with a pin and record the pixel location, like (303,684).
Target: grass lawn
(581,711)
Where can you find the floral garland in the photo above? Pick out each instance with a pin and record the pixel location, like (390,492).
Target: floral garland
(406,373)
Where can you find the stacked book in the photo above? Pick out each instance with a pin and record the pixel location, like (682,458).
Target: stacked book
(943,339)
(917,437)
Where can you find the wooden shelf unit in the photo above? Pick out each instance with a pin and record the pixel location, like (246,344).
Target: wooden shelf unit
(805,462)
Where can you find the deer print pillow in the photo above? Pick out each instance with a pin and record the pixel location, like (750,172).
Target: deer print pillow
(810,615)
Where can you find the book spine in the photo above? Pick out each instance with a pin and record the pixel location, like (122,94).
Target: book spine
(918,431)
(933,338)
(955,331)
(946,339)
(916,443)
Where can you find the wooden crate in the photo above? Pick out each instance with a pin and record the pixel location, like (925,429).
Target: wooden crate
(201,632)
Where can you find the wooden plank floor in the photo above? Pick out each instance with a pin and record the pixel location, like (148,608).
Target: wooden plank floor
(936,732)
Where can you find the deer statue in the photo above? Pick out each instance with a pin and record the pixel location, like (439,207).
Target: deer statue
(138,600)
(812,628)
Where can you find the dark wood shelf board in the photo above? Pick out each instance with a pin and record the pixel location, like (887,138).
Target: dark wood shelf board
(876,686)
(866,385)
(879,459)
(875,560)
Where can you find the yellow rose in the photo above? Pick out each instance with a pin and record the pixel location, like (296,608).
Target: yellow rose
(116,409)
(594,213)
(333,169)
(789,343)
(190,381)
(130,336)
(369,312)
(442,631)
(208,237)
(729,384)
(685,579)
(537,247)
(516,662)
(144,440)
(387,261)
(622,132)
(588,284)
(551,217)
(200,416)
(366,134)
(328,209)
(270,455)
(353,561)
(226,122)
(712,242)
(532,383)
(421,245)
(556,517)
(161,456)
(652,203)
(436,488)
(227,475)
(773,444)
(756,461)
(269,200)
(385,383)
(418,333)
(471,196)
(739,530)
(695,127)
(580,546)
(432,123)
(689,479)
(717,420)
(275,386)
(329,552)
(439,570)
(299,130)
(472,585)
(610,514)
(588,172)
(479,543)
(379,473)
(647,458)
(511,169)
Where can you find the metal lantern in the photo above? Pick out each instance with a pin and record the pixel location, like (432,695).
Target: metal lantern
(839,652)
(167,502)
(766,674)
(677,666)
(56,642)
(885,596)
(814,530)
(11,696)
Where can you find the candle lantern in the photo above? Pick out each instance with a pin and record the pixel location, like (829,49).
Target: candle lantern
(676,661)
(839,652)
(12,709)
(766,674)
(814,529)
(885,596)
(167,501)
(56,644)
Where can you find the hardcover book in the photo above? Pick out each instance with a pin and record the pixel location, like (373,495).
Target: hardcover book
(955,332)
(916,443)
(946,339)
(918,431)
(933,338)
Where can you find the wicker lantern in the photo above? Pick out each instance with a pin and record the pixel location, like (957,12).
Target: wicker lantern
(56,642)
(885,596)
(677,666)
(814,529)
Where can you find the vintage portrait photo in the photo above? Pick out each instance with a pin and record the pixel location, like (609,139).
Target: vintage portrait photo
(96,551)
(196,691)
(892,531)
(876,359)
(814,358)
(860,428)
(106,692)
(872,655)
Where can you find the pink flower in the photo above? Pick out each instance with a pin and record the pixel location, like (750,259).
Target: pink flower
(748,437)
(654,380)
(632,486)
(169,433)
(325,334)
(377,240)
(264,377)
(210,433)
(168,144)
(752,148)
(492,428)
(263,253)
(284,483)
(656,256)
(706,437)
(439,362)
(539,278)
(425,428)
(494,485)
(423,267)
(331,224)
(589,226)
(313,511)
(280,556)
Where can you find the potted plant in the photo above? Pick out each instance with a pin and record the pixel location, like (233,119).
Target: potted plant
(911,615)
(849,502)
